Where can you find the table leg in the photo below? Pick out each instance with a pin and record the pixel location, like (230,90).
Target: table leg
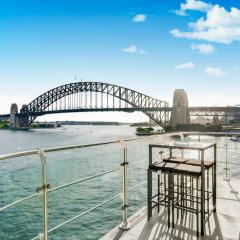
(197,213)
(158,190)
(215,179)
(202,195)
(149,184)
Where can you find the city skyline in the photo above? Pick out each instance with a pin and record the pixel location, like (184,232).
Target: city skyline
(148,46)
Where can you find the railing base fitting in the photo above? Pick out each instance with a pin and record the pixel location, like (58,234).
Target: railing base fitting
(226,179)
(125,227)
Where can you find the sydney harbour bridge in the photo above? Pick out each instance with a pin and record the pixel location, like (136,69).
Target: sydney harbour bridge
(103,97)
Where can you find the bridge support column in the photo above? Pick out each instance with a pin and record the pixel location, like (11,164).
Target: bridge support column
(13,115)
(180,108)
(16,120)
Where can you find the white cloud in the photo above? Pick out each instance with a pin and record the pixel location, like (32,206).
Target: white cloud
(193,5)
(218,16)
(219,25)
(214,71)
(140,18)
(135,49)
(185,65)
(203,48)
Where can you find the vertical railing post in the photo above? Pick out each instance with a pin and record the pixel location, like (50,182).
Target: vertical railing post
(182,140)
(226,178)
(124,165)
(44,189)
(199,140)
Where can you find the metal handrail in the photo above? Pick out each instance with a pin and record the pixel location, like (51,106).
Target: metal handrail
(89,210)
(47,150)
(80,215)
(18,201)
(83,180)
(59,187)
(232,163)
(134,163)
(64,148)
(224,147)
(44,189)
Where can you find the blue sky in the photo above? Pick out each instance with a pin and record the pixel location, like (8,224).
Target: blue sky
(150,46)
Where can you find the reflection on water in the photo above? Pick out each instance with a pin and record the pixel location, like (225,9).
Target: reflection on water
(20,178)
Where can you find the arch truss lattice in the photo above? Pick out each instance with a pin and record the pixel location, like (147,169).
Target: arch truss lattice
(95,96)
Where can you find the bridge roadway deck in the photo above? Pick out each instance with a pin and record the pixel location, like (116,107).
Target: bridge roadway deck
(223,225)
(212,108)
(193,111)
(108,109)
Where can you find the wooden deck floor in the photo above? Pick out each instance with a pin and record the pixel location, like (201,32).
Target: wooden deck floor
(224,224)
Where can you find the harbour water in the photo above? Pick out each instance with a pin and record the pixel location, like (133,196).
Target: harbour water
(20,178)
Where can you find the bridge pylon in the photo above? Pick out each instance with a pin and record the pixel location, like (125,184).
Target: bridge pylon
(13,115)
(17,120)
(180,108)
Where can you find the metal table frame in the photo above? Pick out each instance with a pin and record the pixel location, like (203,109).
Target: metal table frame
(200,147)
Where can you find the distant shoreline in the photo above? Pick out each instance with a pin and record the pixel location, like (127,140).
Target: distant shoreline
(99,123)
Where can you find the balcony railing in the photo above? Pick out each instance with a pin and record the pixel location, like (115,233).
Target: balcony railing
(45,188)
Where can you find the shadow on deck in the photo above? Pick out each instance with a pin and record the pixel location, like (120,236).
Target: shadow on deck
(224,224)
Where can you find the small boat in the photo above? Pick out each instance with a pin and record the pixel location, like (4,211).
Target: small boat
(144,133)
(235,138)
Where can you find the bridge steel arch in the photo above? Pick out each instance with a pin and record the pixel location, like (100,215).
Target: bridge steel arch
(155,109)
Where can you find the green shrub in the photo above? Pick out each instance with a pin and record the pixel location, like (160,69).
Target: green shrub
(4,124)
